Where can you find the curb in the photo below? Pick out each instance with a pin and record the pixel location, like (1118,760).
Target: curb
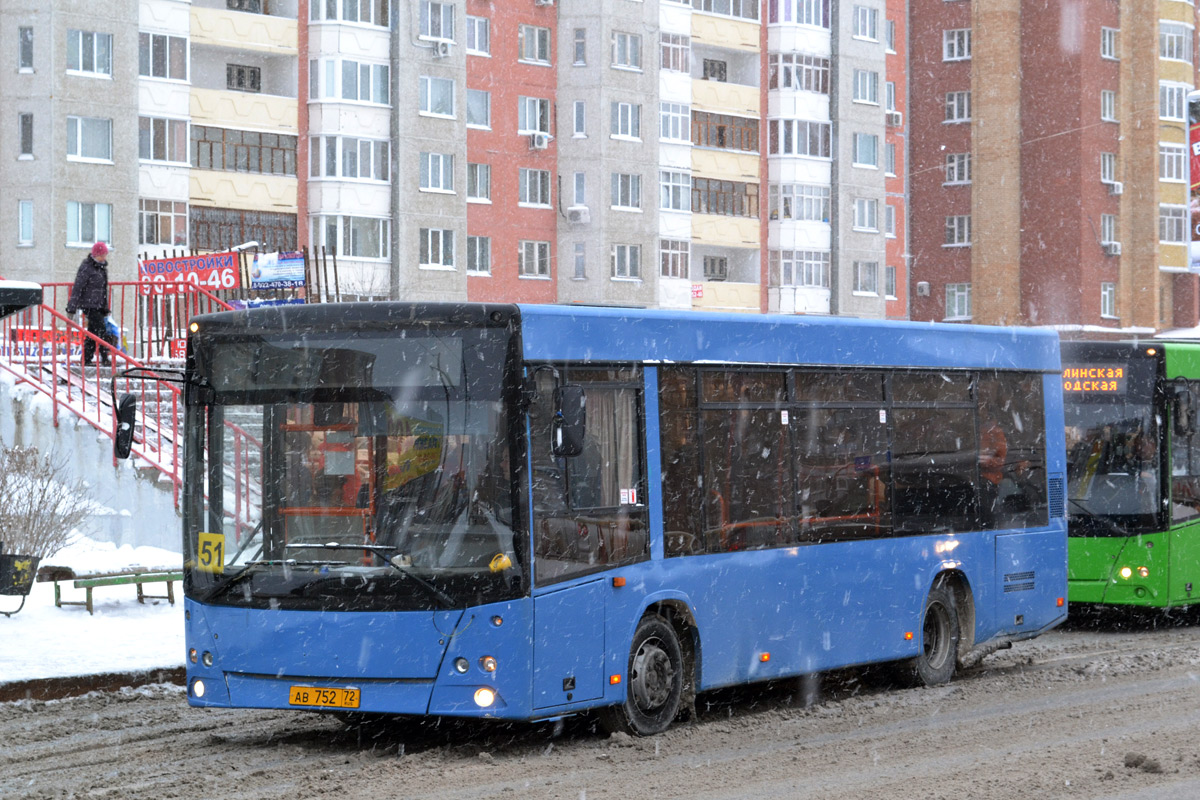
(75,685)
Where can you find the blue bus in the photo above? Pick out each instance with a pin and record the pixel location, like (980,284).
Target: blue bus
(526,512)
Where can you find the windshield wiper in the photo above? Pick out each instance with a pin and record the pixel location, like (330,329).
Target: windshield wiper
(381,550)
(1104,521)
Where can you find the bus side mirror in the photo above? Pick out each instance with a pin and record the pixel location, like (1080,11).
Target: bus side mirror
(569,425)
(1181,411)
(126,419)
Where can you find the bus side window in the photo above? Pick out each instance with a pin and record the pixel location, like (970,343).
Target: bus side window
(1185,461)
(679,423)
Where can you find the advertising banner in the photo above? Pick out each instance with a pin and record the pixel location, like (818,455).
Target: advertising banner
(1193,167)
(172,275)
(277,270)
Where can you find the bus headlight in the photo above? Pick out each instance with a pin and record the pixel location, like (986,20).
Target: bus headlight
(484,697)
(198,688)
(1126,573)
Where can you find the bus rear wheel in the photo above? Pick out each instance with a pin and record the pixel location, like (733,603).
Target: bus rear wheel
(654,690)
(939,639)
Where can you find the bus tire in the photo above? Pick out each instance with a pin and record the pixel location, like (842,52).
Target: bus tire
(939,639)
(654,690)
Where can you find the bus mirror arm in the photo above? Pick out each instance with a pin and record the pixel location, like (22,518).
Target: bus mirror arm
(1181,410)
(569,426)
(125,408)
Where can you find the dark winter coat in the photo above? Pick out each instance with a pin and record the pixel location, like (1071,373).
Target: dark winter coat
(90,292)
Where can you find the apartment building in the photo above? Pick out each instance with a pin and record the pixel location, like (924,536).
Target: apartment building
(1048,151)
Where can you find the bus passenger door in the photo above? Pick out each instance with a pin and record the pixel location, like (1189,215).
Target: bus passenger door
(568,645)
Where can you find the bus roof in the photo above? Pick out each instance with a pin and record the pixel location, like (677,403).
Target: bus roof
(561,333)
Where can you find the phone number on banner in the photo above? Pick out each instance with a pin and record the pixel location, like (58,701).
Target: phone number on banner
(185,274)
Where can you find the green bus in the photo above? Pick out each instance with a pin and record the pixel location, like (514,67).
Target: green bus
(1133,472)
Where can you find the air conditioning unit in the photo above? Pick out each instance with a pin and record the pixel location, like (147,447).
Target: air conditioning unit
(895,119)
(922,288)
(441,49)
(1112,248)
(579,215)
(539,141)
(1116,187)
(543,2)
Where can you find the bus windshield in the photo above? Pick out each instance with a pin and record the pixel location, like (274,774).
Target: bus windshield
(1113,474)
(385,479)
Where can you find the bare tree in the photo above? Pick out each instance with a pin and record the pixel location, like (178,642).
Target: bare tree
(39,507)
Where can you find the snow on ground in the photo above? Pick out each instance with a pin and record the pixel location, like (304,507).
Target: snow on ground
(43,641)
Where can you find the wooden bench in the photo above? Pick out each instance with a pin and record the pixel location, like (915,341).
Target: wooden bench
(89,581)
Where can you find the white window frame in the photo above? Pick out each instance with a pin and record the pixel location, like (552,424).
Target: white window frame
(534,189)
(77,53)
(956,44)
(580,262)
(533,45)
(24,135)
(152,213)
(479,248)
(24,223)
(889,221)
(25,48)
(958,230)
(1110,44)
(958,301)
(150,44)
(538,108)
(533,259)
(675,50)
(579,119)
(329,156)
(625,191)
(1108,300)
(479,182)
(803,268)
(1174,41)
(75,130)
(625,121)
(1172,162)
(866,23)
(1108,105)
(866,214)
(476,94)
(626,260)
(1172,100)
(889,35)
(675,190)
(889,159)
(866,86)
(579,48)
(626,51)
(788,135)
(866,278)
(958,169)
(479,35)
(372,82)
(1108,167)
(674,258)
(1108,228)
(1172,224)
(345,233)
(435,248)
(579,189)
(866,150)
(100,219)
(958,106)
(889,282)
(170,132)
(799,202)
(437,173)
(675,122)
(431,89)
(437,21)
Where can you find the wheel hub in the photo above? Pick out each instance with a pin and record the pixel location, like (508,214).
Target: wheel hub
(652,676)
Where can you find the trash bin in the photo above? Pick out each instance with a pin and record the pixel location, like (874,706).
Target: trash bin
(16,577)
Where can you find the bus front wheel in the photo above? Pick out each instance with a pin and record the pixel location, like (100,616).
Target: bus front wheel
(654,689)
(939,639)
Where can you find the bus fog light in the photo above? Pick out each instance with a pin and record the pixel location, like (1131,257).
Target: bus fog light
(461,665)
(484,697)
(198,688)
(192,655)
(1144,572)
(487,664)
(1126,573)
(207,658)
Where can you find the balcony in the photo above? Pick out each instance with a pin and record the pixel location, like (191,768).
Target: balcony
(726,296)
(228,109)
(725,32)
(726,98)
(248,191)
(719,231)
(728,165)
(241,31)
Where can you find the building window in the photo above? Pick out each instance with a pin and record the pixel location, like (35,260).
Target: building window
(479,36)
(866,86)
(163,140)
(1175,41)
(958,301)
(437,20)
(25,135)
(799,137)
(436,96)
(889,156)
(889,282)
(357,237)
(958,168)
(800,202)
(674,255)
(365,12)
(1172,162)
(233,150)
(889,220)
(241,78)
(626,120)
(437,172)
(626,191)
(724,131)
(533,259)
(162,222)
(25,49)
(1172,101)
(676,51)
(89,53)
(724,198)
(866,214)
(958,106)
(249,6)
(1109,43)
(479,108)
(797,71)
(889,95)
(715,268)
(580,184)
(958,230)
(479,255)
(1108,167)
(479,182)
(24,223)
(88,223)
(162,56)
(956,44)
(866,277)
(342,79)
(1172,224)
(580,58)
(743,9)
(889,35)
(580,261)
(866,150)
(676,191)
(89,139)
(534,187)
(714,70)
(533,44)
(675,122)
(1108,300)
(626,50)
(533,115)
(800,12)
(804,268)
(1108,228)
(1108,105)
(866,23)
(580,118)
(436,248)
(223,228)
(627,261)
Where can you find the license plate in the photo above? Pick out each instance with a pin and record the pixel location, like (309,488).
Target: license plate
(323,697)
